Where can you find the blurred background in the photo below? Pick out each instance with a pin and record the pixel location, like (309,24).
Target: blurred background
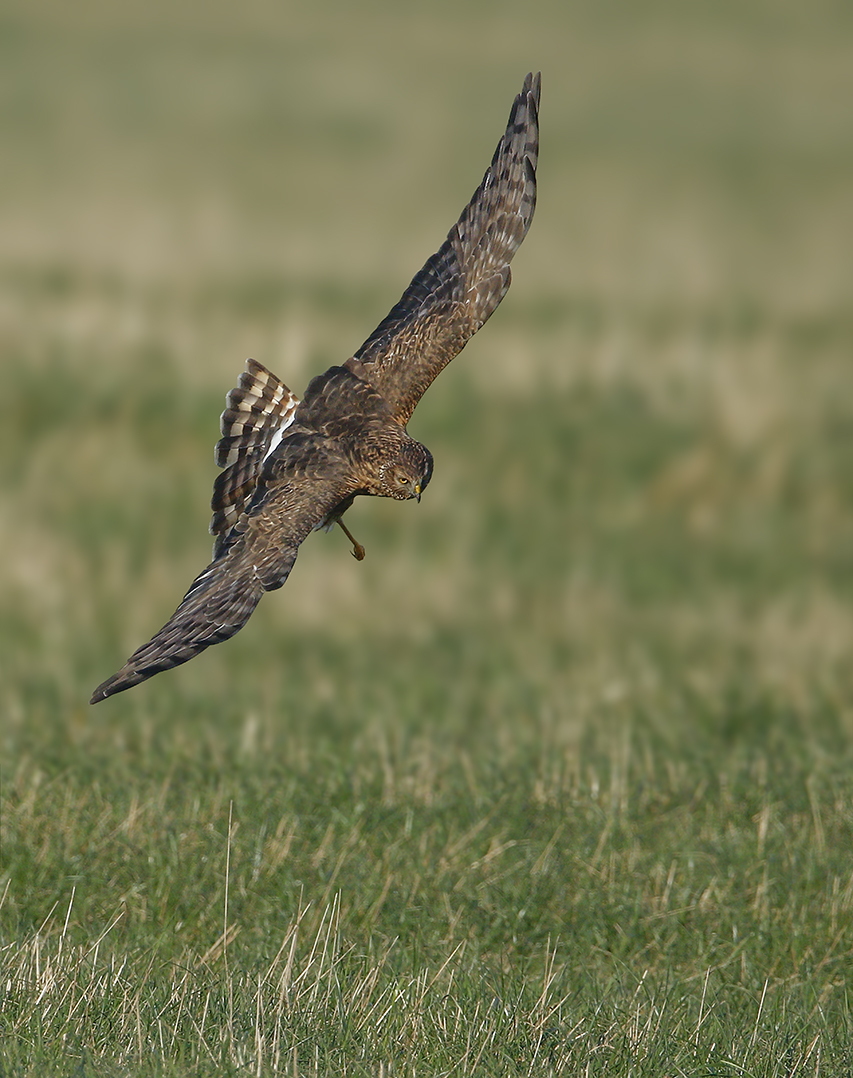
(601,675)
(644,457)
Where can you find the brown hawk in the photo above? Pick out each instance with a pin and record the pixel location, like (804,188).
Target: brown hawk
(292,466)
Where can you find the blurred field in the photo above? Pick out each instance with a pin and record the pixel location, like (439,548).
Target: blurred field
(558,781)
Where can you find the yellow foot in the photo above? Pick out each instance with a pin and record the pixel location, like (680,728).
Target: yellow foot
(357,548)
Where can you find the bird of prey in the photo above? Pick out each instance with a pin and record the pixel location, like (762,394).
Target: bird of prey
(291,466)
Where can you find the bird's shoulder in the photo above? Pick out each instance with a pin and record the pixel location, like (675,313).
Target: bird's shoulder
(340,428)
(338,403)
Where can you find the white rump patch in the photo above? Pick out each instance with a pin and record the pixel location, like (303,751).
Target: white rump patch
(279,433)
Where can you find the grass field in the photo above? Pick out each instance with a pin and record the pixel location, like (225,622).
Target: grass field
(559,781)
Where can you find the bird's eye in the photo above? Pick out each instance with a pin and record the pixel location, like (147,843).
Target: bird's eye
(402,480)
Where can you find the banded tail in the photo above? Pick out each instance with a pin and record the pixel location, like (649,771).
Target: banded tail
(257,412)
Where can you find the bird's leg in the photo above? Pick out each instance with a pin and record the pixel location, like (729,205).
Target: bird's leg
(357,548)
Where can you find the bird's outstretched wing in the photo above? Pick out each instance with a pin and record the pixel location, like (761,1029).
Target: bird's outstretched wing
(306,482)
(462,284)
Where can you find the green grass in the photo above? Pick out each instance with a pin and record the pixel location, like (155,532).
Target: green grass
(560,779)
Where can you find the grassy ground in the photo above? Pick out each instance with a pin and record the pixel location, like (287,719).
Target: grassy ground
(558,781)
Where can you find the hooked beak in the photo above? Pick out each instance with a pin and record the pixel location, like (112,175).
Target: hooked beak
(418,491)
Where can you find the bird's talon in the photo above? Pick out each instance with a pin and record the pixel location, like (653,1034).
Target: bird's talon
(357,548)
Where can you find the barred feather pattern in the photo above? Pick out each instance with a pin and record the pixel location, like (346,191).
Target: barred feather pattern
(257,412)
(218,603)
(308,482)
(461,285)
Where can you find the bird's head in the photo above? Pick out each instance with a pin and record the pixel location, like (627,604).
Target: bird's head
(408,473)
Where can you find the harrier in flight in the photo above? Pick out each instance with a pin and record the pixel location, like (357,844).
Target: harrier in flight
(291,466)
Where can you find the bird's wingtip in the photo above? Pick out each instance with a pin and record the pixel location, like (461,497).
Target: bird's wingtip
(101,693)
(117,683)
(533,84)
